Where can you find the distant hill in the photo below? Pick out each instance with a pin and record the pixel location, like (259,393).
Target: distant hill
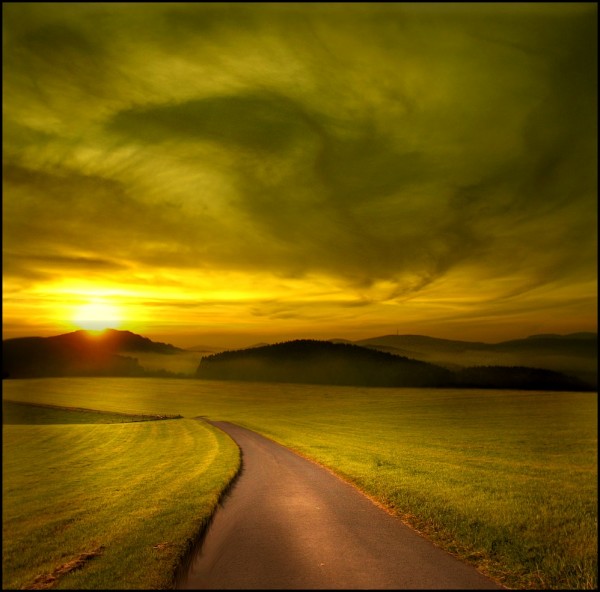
(126,341)
(546,362)
(575,354)
(325,362)
(582,335)
(582,342)
(585,344)
(205,349)
(421,343)
(80,353)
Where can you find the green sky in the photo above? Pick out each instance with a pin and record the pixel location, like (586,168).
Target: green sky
(246,172)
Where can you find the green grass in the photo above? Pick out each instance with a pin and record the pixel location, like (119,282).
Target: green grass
(506,480)
(35,414)
(137,492)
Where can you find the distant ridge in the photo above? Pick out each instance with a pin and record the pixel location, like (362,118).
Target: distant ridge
(80,353)
(413,345)
(545,361)
(575,354)
(581,335)
(424,340)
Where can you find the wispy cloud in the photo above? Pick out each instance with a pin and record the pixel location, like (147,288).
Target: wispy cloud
(390,150)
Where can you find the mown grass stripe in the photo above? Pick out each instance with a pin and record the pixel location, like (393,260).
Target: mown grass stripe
(126,487)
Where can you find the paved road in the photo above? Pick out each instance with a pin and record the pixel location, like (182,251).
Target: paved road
(289,524)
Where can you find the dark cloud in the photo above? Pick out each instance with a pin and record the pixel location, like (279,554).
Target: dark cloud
(58,263)
(263,123)
(338,207)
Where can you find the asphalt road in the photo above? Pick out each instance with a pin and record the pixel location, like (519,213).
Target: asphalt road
(289,524)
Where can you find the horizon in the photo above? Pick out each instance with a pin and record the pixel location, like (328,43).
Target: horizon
(227,342)
(235,174)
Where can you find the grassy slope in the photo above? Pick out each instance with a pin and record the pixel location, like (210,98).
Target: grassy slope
(507,480)
(69,489)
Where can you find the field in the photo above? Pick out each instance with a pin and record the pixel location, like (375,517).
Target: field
(122,500)
(506,480)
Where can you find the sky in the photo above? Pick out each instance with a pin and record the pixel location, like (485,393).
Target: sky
(227,174)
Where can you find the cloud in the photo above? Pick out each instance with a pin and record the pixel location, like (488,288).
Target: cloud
(390,149)
(257,123)
(326,202)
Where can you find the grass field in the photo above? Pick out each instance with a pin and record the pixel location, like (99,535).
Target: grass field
(121,501)
(506,480)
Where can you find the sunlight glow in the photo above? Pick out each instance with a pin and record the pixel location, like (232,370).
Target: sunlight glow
(97,315)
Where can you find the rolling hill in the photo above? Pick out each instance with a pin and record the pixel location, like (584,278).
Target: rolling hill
(320,362)
(548,362)
(574,354)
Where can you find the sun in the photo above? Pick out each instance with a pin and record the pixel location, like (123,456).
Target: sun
(97,315)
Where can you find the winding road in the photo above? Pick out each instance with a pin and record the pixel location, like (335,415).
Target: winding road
(289,524)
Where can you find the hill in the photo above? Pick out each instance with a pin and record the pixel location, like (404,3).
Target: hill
(546,362)
(575,354)
(320,362)
(325,362)
(80,353)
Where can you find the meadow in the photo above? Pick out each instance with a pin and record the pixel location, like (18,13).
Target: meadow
(90,504)
(506,480)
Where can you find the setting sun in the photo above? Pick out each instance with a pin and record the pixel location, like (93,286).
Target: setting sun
(97,315)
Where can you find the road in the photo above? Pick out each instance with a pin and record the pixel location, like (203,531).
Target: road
(289,524)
